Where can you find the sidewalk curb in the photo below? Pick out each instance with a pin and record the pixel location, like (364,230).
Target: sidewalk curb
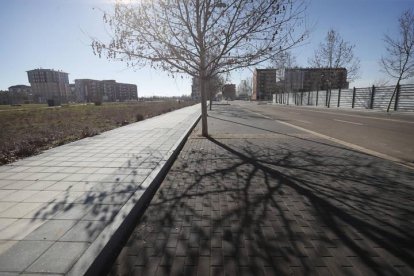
(100,255)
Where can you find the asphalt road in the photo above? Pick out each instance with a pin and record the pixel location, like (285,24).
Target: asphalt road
(388,134)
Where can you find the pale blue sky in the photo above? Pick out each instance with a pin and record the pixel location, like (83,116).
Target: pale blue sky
(56,34)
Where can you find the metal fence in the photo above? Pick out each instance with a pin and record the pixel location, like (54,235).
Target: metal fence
(362,98)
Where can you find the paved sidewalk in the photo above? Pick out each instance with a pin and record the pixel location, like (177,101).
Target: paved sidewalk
(261,198)
(59,209)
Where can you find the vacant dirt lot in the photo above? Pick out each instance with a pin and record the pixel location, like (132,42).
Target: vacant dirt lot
(27,130)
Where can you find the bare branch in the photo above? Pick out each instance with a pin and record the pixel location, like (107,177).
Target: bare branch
(202,38)
(399,61)
(336,53)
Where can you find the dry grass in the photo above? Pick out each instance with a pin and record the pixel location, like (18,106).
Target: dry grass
(28,131)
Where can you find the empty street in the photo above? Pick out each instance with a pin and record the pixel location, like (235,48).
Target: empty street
(390,135)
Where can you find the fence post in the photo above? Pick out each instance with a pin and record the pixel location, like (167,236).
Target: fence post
(287,102)
(353,97)
(328,98)
(309,98)
(317,97)
(371,104)
(339,97)
(397,97)
(301,98)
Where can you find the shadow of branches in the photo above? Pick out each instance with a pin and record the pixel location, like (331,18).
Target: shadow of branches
(274,206)
(93,200)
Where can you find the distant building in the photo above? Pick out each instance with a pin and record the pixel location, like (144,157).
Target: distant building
(49,85)
(310,79)
(72,96)
(244,90)
(110,91)
(88,90)
(195,89)
(126,92)
(4,97)
(229,91)
(264,84)
(19,94)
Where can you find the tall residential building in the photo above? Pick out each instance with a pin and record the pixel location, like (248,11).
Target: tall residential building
(264,84)
(109,90)
(195,89)
(88,90)
(49,85)
(72,96)
(310,79)
(126,92)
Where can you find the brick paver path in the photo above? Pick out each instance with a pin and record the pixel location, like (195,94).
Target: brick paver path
(260,198)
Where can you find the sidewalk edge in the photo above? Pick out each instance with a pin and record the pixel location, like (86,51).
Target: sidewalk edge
(99,256)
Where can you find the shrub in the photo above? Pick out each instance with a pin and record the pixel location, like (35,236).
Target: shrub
(139,117)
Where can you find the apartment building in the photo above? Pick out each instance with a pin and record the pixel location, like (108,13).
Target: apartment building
(19,94)
(264,84)
(88,90)
(49,85)
(126,92)
(195,89)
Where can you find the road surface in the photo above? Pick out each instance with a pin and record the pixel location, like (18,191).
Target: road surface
(389,135)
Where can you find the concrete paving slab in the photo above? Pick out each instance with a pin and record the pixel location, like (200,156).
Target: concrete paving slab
(4,222)
(19,229)
(39,185)
(84,231)
(6,205)
(51,230)
(19,195)
(21,255)
(72,199)
(19,210)
(53,261)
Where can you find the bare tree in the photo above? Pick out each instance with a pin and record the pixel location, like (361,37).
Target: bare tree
(381,82)
(281,61)
(399,62)
(336,53)
(201,38)
(215,84)
(245,87)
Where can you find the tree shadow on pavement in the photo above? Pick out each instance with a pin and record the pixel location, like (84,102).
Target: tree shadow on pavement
(79,209)
(271,207)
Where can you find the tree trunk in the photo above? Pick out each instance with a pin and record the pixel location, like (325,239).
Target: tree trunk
(211,99)
(210,94)
(202,83)
(393,94)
